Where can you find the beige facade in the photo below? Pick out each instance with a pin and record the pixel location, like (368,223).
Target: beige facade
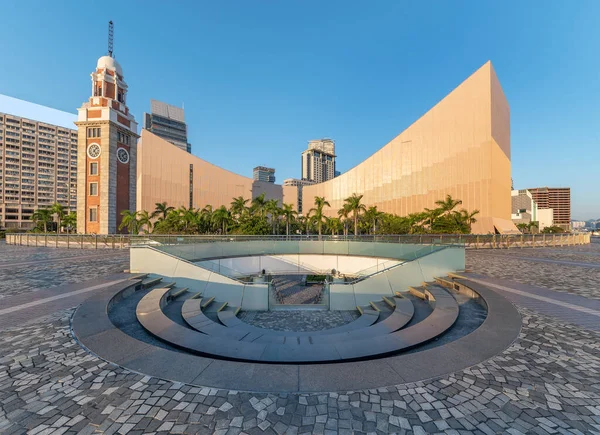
(460,147)
(169,174)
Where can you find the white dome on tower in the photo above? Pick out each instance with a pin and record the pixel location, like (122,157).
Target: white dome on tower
(107,62)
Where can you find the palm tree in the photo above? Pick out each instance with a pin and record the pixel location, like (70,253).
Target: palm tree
(145,219)
(161,211)
(356,207)
(221,218)
(447,205)
(372,215)
(272,208)
(42,215)
(343,213)
(70,221)
(258,205)
(335,225)
(289,213)
(316,213)
(238,206)
(130,221)
(187,217)
(432,215)
(59,211)
(416,222)
(469,218)
(206,217)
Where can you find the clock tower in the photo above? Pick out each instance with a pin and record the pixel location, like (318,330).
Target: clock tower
(106,152)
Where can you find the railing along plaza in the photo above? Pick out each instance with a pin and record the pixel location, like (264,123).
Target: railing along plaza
(120,241)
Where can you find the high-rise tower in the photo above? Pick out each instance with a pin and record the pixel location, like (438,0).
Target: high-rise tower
(106,151)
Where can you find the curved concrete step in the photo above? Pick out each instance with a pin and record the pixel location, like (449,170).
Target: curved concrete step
(192,313)
(294,348)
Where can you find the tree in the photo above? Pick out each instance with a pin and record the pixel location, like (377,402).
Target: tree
(469,218)
(129,221)
(335,225)
(58,210)
(70,221)
(272,208)
(372,215)
(356,207)
(316,213)
(432,216)
(289,213)
(161,210)
(221,218)
(145,219)
(238,206)
(343,214)
(41,217)
(447,205)
(258,205)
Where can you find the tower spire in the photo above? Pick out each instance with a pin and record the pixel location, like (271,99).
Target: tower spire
(110,38)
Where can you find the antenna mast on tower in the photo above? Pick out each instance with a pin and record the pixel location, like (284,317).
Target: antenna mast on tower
(110,38)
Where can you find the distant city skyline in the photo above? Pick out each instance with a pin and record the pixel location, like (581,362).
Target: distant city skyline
(237,104)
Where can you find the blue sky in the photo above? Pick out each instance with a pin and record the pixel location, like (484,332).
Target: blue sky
(261,78)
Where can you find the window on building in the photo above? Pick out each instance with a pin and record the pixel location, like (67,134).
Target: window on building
(93,132)
(93,214)
(94,189)
(123,138)
(94,168)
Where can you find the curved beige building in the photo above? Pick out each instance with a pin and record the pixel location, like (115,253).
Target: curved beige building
(168,173)
(460,147)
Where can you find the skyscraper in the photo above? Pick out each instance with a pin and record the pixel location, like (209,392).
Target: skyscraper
(38,161)
(168,122)
(107,152)
(318,161)
(262,173)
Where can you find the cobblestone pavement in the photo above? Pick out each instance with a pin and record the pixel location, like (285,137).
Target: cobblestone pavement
(25,269)
(298,320)
(290,289)
(546,382)
(513,265)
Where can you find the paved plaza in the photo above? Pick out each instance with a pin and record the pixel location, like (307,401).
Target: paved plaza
(546,382)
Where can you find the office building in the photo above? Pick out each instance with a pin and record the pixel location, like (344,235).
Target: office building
(556,198)
(107,152)
(299,185)
(262,173)
(168,122)
(38,161)
(578,225)
(318,161)
(461,147)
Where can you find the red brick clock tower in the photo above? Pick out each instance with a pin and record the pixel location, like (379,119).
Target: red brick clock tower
(106,156)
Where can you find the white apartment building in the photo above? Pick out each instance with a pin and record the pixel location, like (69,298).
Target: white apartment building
(38,161)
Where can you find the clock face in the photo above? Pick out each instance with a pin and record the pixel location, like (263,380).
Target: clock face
(94,151)
(123,155)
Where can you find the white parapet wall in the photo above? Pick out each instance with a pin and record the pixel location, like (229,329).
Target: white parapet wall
(251,297)
(397,279)
(297,264)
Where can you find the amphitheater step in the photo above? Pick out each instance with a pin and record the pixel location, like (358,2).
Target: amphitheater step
(175,294)
(418,292)
(150,282)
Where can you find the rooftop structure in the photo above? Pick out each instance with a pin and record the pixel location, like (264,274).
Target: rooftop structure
(168,122)
(262,173)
